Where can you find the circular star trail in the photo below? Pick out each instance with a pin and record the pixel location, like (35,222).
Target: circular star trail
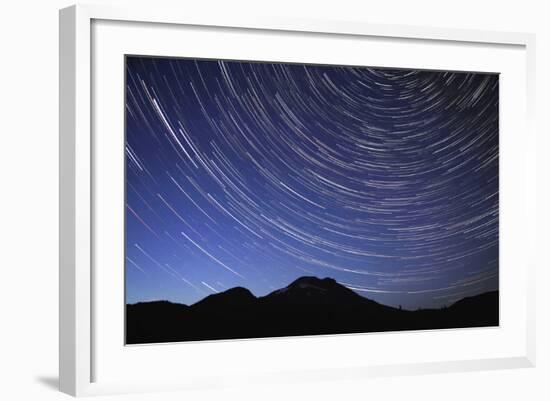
(253,174)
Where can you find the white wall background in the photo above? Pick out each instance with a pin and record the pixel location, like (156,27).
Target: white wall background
(29,185)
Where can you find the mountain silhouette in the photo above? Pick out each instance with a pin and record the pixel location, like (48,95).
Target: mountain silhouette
(237,297)
(307,306)
(312,290)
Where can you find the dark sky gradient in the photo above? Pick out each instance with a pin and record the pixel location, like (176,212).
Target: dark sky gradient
(253,174)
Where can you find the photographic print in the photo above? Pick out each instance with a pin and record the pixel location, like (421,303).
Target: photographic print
(268,199)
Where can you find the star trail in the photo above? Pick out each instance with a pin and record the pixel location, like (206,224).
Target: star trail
(253,174)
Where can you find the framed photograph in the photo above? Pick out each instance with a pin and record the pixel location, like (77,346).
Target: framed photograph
(300,200)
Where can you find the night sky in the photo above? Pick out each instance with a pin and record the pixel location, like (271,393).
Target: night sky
(254,174)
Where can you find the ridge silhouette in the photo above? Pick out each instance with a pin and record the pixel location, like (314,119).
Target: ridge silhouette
(307,306)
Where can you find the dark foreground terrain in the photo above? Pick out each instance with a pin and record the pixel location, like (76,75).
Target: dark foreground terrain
(307,306)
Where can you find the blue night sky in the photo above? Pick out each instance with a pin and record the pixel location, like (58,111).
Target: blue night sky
(254,174)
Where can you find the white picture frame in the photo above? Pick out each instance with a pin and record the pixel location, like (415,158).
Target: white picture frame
(79,348)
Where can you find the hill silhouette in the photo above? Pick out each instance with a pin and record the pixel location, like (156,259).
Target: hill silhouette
(307,306)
